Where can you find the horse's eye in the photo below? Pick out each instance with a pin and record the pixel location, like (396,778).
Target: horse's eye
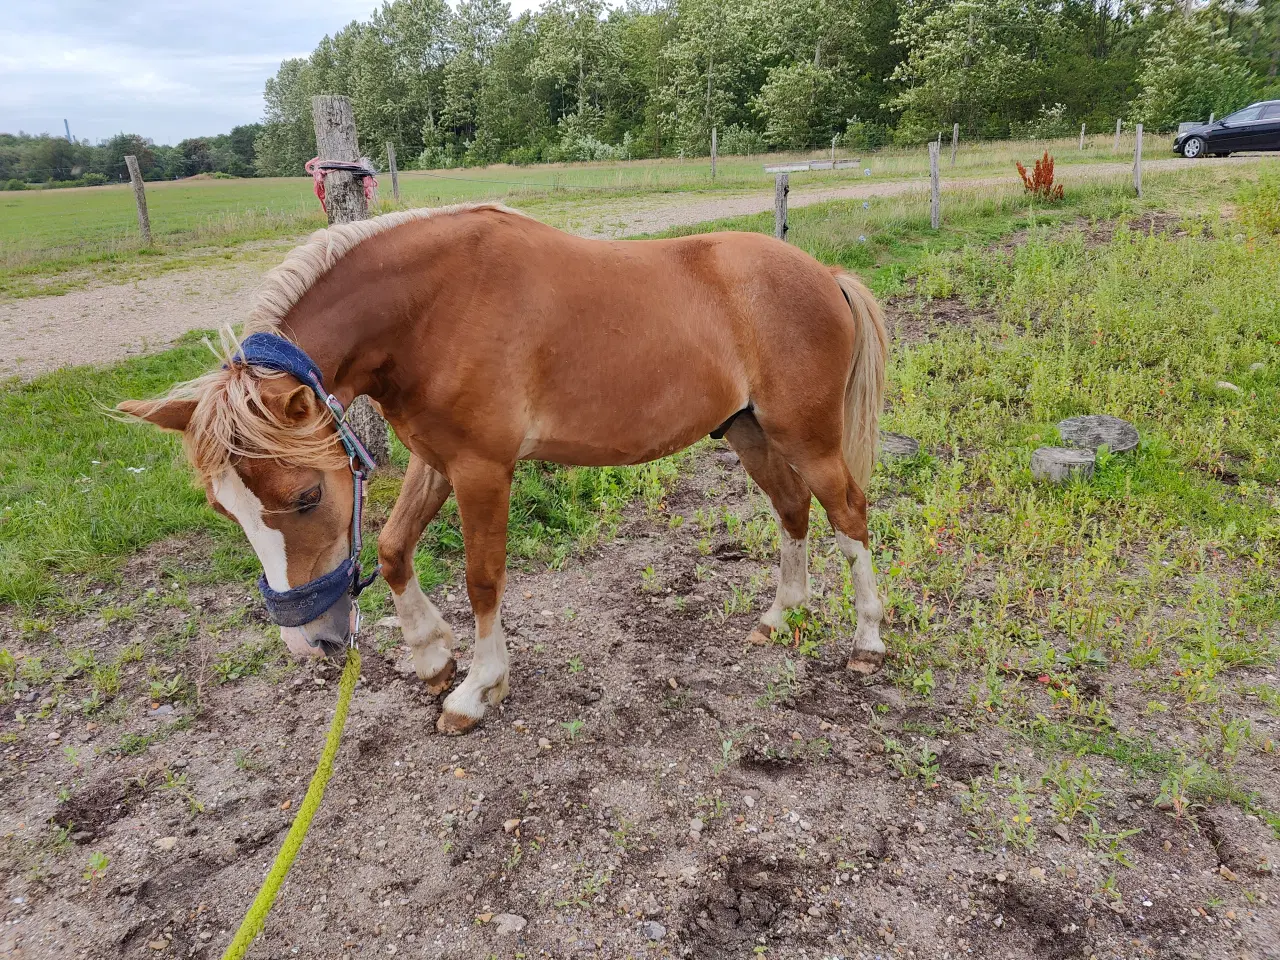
(308,501)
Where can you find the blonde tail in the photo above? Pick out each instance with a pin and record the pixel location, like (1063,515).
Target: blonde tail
(864,390)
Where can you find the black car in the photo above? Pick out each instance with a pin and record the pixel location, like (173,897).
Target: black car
(1256,127)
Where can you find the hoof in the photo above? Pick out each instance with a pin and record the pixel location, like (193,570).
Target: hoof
(437,684)
(761,635)
(866,662)
(455,724)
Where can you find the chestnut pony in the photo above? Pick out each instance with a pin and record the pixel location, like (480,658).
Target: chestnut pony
(485,337)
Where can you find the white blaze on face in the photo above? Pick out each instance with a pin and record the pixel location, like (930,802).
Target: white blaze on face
(239,501)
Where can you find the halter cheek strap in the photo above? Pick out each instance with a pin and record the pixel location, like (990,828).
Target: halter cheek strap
(293,608)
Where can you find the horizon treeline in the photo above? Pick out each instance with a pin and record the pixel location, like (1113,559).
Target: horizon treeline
(579,80)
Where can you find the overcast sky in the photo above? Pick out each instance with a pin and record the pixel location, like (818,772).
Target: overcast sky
(167,69)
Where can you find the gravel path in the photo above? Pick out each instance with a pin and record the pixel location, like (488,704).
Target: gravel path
(105,324)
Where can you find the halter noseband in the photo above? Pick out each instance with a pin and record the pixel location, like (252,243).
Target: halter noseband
(293,608)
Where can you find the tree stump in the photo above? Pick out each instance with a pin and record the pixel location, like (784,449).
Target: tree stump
(898,445)
(1092,432)
(1061,464)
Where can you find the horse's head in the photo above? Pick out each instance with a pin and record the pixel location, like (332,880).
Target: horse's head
(268,453)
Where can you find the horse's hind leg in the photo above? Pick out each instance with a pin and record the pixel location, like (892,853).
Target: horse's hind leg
(829,478)
(425,631)
(790,499)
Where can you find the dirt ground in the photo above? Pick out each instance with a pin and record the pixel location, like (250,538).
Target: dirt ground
(108,323)
(654,787)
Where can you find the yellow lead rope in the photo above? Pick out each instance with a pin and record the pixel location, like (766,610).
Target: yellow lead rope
(256,918)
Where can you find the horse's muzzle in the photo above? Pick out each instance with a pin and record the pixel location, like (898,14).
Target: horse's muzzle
(325,636)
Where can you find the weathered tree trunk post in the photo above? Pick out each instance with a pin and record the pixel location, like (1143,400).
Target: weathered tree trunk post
(1137,162)
(1211,116)
(1116,147)
(713,153)
(395,174)
(781,187)
(140,197)
(955,141)
(935,187)
(335,127)
(1082,136)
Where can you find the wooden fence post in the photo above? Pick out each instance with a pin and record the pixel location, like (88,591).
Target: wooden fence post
(1137,162)
(1082,136)
(780,190)
(713,153)
(335,127)
(935,187)
(395,174)
(140,197)
(1116,148)
(955,141)
(1211,116)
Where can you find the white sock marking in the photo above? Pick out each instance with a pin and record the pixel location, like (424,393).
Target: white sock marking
(866,598)
(793,578)
(488,672)
(425,631)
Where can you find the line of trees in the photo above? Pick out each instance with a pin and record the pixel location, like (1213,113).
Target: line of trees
(577,80)
(26,159)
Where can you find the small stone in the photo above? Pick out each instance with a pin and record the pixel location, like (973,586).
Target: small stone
(749,800)
(55,736)
(1036,873)
(652,930)
(544,743)
(1257,367)
(898,445)
(459,773)
(1060,464)
(1227,873)
(815,911)
(166,843)
(158,944)
(1000,878)
(528,594)
(507,923)
(389,623)
(509,826)
(484,917)
(1092,432)
(1228,385)
(696,825)
(1061,832)
(671,682)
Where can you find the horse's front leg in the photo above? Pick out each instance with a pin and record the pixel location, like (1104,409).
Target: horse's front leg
(484,495)
(429,638)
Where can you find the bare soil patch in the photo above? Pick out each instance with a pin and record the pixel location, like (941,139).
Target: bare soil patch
(654,786)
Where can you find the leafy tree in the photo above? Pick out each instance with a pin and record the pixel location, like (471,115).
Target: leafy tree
(795,103)
(1191,70)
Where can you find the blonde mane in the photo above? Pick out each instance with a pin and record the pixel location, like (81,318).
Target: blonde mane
(231,419)
(285,285)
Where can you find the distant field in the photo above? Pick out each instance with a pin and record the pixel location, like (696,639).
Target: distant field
(46,234)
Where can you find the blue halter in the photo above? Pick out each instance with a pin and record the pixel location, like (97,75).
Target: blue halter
(293,608)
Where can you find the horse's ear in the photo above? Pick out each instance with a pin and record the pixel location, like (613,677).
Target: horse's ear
(167,414)
(300,405)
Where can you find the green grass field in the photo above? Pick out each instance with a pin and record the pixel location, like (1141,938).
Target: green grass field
(48,235)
